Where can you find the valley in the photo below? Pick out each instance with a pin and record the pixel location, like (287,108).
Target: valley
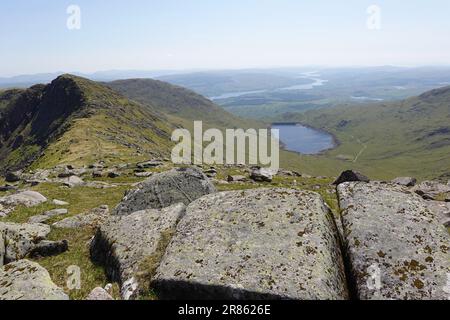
(88,183)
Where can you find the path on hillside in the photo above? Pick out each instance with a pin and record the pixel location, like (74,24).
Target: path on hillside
(364,147)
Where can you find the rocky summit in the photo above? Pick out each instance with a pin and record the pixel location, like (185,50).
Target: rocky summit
(254,244)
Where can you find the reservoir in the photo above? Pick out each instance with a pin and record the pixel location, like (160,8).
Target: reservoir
(301,139)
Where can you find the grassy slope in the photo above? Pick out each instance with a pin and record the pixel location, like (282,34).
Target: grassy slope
(411,137)
(100,125)
(182,104)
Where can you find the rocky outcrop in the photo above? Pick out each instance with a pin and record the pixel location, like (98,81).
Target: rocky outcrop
(396,246)
(24,198)
(26,280)
(165,189)
(93,218)
(350,176)
(254,244)
(130,247)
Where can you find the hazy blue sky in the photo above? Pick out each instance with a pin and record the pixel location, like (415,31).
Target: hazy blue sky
(186,34)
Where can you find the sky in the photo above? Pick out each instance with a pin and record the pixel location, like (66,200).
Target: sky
(220,34)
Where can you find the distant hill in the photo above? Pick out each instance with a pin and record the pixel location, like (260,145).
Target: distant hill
(410,137)
(215,83)
(75,120)
(178,102)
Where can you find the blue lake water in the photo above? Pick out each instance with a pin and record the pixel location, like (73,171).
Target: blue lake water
(313,76)
(304,140)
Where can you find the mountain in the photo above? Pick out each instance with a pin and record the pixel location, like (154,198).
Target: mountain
(76,120)
(178,102)
(410,137)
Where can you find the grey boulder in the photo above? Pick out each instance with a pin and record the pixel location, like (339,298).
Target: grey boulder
(236,178)
(26,280)
(24,198)
(13,176)
(254,244)
(396,246)
(165,189)
(130,247)
(72,181)
(261,174)
(18,240)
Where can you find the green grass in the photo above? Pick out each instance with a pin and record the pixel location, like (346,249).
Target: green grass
(384,141)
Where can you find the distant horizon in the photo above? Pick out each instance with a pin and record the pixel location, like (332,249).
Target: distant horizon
(200,70)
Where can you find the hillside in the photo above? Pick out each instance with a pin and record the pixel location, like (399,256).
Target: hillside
(179,102)
(411,137)
(78,121)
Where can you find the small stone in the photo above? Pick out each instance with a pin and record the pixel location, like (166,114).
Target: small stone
(236,178)
(143,174)
(99,294)
(73,181)
(405,181)
(48,215)
(60,203)
(259,174)
(351,176)
(113,174)
(13,176)
(97,174)
(149,164)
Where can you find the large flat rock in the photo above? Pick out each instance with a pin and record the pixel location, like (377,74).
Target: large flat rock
(254,244)
(165,189)
(26,280)
(397,248)
(131,247)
